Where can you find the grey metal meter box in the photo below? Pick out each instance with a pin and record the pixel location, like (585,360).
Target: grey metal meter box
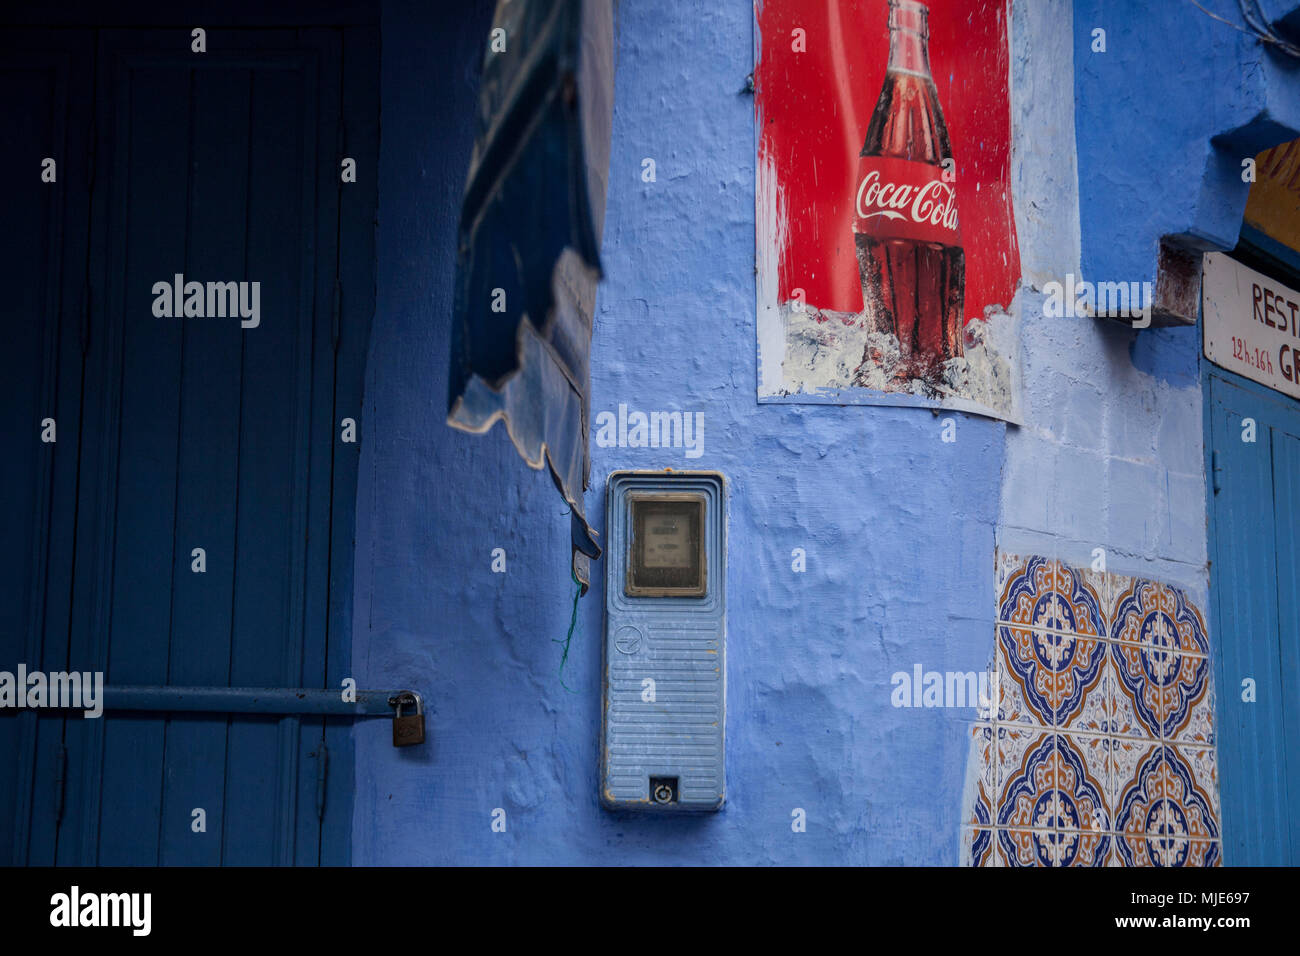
(665,642)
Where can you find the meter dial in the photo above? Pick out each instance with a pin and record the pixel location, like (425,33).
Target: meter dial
(666,549)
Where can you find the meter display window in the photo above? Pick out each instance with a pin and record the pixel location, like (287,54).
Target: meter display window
(666,556)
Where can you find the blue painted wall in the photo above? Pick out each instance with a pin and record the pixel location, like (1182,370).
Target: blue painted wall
(1160,149)
(1114,151)
(873,495)
(899,527)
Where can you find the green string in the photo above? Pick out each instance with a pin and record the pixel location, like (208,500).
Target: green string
(568,638)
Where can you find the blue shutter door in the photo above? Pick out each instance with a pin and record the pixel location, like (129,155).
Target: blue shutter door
(1254,528)
(195,433)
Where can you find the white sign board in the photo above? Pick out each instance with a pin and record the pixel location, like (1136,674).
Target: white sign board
(1252,324)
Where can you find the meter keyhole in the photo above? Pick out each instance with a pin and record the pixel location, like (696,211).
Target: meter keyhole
(663,789)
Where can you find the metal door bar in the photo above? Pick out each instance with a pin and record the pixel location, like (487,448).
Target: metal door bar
(251,700)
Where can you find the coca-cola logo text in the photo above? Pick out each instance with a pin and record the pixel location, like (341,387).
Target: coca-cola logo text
(933,203)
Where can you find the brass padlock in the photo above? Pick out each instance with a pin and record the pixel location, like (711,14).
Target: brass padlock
(408,729)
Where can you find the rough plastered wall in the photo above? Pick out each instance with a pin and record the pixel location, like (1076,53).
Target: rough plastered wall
(1113,151)
(897,525)
(1110,455)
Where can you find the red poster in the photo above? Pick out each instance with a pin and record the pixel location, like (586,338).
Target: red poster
(887,250)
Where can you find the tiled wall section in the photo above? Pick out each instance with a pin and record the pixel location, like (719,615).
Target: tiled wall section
(1101,749)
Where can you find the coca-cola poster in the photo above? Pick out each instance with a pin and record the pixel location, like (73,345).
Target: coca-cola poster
(887,256)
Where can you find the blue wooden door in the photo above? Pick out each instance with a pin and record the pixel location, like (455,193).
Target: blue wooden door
(45,79)
(1255,583)
(213,496)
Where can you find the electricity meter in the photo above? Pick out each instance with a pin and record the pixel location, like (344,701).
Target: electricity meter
(664,710)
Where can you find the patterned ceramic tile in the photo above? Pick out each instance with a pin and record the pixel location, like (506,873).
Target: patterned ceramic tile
(1180,825)
(984,764)
(1127,757)
(1168,848)
(1204,853)
(1193,637)
(1141,817)
(1084,783)
(1022,677)
(1008,567)
(1078,699)
(1053,844)
(1147,612)
(1027,596)
(1204,762)
(1184,682)
(977,847)
(1142,790)
(1116,586)
(1144,674)
(1133,851)
(1082,592)
(1084,847)
(1121,708)
(1189,703)
(1191,791)
(1101,752)
(1026,777)
(1026,847)
(1048,674)
(998,856)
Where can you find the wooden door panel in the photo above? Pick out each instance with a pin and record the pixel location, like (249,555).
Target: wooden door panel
(204,438)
